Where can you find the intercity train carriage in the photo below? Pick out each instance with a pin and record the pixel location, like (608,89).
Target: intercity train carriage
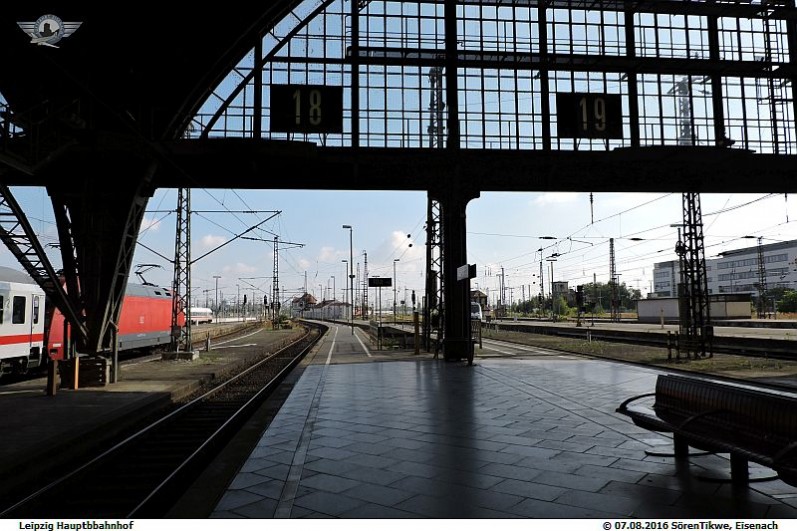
(27,336)
(21,322)
(201,315)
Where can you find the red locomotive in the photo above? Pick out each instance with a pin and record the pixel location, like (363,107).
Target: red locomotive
(145,321)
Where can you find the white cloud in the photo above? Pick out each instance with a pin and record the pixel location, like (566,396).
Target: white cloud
(150,224)
(239,268)
(209,241)
(304,264)
(555,198)
(330,254)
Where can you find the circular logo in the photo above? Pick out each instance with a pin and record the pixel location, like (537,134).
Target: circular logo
(49,29)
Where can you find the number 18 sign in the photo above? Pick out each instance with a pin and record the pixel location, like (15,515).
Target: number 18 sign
(306,109)
(589,115)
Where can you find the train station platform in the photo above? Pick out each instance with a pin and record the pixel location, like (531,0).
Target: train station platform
(505,438)
(362,433)
(43,432)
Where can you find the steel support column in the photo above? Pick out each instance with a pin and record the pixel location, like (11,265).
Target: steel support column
(456,336)
(104,199)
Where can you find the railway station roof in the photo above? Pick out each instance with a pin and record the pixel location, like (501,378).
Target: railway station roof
(144,67)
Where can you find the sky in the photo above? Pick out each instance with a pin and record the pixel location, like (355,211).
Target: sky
(503,228)
(503,233)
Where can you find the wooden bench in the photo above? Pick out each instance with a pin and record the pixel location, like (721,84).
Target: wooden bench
(751,424)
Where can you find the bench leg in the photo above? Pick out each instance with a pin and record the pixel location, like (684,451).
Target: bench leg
(740,472)
(680,447)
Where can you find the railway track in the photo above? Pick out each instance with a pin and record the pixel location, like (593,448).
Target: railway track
(743,346)
(145,473)
(138,355)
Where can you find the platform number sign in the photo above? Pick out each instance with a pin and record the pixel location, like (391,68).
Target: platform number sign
(589,115)
(306,109)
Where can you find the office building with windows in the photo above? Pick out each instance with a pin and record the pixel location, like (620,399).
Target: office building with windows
(737,271)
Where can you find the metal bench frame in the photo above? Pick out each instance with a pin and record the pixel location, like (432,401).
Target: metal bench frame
(751,424)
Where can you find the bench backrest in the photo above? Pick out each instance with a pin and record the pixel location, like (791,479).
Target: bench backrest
(770,412)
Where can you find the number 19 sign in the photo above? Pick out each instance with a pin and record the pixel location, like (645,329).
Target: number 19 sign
(589,115)
(306,109)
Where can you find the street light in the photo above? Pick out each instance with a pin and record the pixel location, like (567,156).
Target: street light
(394,288)
(351,275)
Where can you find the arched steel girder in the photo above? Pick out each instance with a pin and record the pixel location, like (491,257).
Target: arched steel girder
(261,60)
(19,237)
(99,210)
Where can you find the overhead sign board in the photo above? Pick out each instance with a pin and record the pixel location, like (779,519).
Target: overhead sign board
(589,115)
(466,271)
(380,282)
(306,109)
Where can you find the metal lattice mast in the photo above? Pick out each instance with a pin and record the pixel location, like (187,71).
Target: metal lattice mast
(275,287)
(357,294)
(762,282)
(435,287)
(434,315)
(365,286)
(684,318)
(436,128)
(699,332)
(774,88)
(542,283)
(181,285)
(613,288)
(686,124)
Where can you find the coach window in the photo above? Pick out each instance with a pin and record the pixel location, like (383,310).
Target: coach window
(35,310)
(2,308)
(18,311)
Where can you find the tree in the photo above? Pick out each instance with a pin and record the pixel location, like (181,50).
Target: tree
(788,303)
(601,294)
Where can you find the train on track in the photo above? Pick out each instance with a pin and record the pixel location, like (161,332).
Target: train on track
(201,315)
(29,335)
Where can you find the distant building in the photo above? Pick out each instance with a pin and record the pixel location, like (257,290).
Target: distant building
(666,309)
(478,296)
(301,304)
(328,310)
(735,272)
(562,289)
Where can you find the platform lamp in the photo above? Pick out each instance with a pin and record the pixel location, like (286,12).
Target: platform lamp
(394,289)
(351,274)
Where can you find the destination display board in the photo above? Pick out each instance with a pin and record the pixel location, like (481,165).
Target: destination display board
(380,282)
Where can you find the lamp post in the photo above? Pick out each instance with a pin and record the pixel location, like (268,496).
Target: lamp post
(351,274)
(323,300)
(394,289)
